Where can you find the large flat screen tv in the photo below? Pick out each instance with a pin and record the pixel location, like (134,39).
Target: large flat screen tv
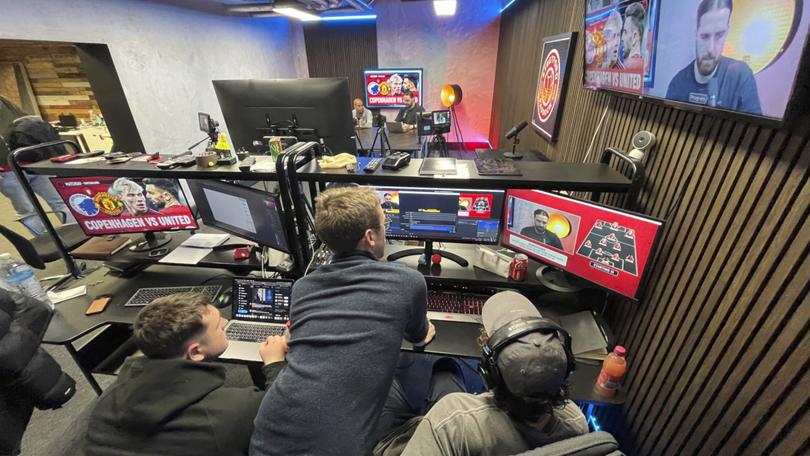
(386,87)
(737,56)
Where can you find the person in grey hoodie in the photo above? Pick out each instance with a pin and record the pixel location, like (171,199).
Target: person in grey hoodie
(173,400)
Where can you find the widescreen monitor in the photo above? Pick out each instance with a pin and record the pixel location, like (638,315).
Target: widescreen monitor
(386,87)
(122,205)
(444,215)
(249,213)
(739,56)
(251,106)
(605,246)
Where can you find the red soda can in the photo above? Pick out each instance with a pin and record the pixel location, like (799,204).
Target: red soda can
(519,267)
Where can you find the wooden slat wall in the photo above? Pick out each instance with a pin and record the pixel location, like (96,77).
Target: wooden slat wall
(58,81)
(719,345)
(341,50)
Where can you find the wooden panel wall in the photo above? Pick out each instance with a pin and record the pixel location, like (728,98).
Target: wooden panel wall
(341,50)
(719,347)
(57,78)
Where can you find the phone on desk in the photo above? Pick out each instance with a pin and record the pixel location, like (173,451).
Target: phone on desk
(98,304)
(64,158)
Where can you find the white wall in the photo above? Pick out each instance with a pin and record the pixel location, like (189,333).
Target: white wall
(166,57)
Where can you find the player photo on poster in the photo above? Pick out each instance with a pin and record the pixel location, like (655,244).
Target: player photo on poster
(551,83)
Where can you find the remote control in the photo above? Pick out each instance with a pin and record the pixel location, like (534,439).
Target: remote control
(373,165)
(245,164)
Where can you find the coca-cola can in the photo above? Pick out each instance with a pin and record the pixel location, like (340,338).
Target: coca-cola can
(519,267)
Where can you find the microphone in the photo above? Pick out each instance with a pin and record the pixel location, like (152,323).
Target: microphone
(516,129)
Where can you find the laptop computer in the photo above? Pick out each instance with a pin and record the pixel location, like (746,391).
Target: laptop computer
(259,308)
(394,127)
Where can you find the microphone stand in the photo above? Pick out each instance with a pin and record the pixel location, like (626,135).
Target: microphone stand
(514,155)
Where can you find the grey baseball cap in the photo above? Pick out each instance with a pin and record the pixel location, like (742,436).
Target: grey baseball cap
(536,362)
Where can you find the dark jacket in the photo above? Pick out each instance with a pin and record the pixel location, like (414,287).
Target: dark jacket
(8,113)
(174,407)
(29,377)
(30,131)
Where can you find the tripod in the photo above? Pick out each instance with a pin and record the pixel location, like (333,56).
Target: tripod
(440,144)
(385,144)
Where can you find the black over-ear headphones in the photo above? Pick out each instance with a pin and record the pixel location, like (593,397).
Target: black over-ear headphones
(511,332)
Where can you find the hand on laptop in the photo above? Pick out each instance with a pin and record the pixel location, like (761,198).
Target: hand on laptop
(273,350)
(431,332)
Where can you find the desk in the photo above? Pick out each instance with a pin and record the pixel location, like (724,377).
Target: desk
(406,142)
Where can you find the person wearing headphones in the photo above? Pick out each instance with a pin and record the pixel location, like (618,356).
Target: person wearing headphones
(526,363)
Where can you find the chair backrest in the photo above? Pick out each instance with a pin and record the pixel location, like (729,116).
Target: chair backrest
(24,247)
(590,444)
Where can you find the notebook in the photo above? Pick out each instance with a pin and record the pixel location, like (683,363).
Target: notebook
(587,339)
(100,247)
(259,308)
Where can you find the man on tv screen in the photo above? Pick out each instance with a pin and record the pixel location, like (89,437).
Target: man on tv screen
(632,36)
(131,193)
(612,33)
(538,231)
(712,79)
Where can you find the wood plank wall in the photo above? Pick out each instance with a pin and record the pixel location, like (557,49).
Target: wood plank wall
(719,348)
(341,50)
(59,83)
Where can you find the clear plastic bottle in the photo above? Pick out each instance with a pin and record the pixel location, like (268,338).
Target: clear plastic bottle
(16,275)
(613,369)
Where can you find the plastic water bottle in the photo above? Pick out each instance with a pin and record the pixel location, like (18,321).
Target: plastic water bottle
(17,276)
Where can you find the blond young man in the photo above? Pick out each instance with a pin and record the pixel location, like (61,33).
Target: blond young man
(172,401)
(348,321)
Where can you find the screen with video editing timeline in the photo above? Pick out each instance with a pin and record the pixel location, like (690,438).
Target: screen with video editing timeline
(451,215)
(110,205)
(266,301)
(741,55)
(605,246)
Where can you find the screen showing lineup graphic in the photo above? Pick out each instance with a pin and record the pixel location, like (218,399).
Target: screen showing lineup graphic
(608,247)
(110,205)
(435,214)
(741,56)
(266,301)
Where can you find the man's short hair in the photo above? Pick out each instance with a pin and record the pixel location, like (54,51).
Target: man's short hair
(167,185)
(710,5)
(388,194)
(408,93)
(540,211)
(163,327)
(636,13)
(122,184)
(342,216)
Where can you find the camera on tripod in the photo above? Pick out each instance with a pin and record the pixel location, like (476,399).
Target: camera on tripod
(434,123)
(379,121)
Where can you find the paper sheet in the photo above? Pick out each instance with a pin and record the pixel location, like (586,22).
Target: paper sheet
(186,255)
(59,296)
(205,240)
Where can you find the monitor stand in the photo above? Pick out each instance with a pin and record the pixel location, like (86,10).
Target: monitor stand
(428,251)
(558,280)
(151,241)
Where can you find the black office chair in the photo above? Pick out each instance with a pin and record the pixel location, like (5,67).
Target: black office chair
(41,249)
(591,444)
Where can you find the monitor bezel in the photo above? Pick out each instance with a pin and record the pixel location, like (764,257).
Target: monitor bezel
(497,240)
(214,224)
(120,233)
(643,282)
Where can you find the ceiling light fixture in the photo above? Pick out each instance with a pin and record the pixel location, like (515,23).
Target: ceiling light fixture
(297,14)
(444,7)
(358,17)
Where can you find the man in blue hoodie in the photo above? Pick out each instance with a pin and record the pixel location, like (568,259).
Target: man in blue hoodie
(172,400)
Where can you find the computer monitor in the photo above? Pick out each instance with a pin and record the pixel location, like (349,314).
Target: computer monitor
(320,108)
(442,215)
(249,213)
(605,246)
(123,205)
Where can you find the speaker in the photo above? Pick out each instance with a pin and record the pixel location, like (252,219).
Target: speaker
(643,142)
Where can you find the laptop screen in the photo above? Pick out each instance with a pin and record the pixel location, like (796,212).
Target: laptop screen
(266,301)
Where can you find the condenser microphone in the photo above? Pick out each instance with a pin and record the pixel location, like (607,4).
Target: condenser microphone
(516,129)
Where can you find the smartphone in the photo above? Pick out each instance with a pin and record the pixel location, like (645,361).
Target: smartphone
(64,158)
(99,304)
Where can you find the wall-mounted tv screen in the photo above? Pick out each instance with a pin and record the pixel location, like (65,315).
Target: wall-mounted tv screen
(385,88)
(741,56)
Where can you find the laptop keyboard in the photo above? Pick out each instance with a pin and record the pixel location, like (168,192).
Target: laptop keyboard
(251,332)
(144,296)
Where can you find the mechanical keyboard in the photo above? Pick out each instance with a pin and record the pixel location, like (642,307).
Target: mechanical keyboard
(251,332)
(460,304)
(144,296)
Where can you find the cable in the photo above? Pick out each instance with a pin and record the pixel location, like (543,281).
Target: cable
(596,132)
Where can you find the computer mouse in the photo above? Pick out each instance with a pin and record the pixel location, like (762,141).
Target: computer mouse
(223,300)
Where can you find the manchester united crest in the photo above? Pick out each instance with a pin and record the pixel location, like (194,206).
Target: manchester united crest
(548,88)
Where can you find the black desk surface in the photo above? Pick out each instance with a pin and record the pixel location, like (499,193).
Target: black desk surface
(399,141)
(536,174)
